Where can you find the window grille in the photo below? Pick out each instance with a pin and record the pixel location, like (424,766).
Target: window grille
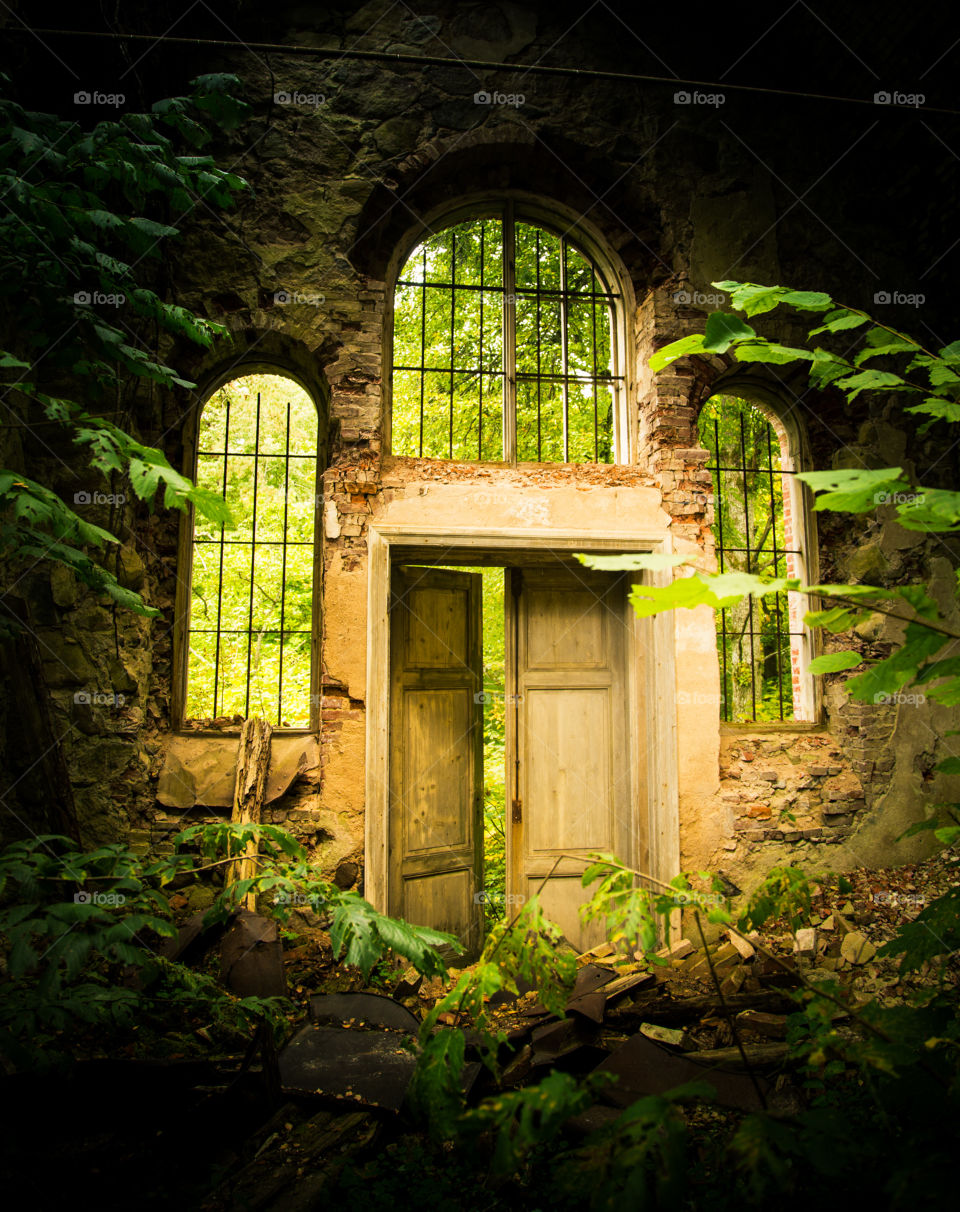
(504,347)
(760,641)
(250,627)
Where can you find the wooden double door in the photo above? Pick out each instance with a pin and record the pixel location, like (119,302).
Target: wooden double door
(569,740)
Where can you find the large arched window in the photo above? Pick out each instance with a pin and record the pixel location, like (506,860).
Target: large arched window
(251,628)
(504,347)
(759,527)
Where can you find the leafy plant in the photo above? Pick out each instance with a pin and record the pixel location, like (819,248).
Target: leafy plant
(528,1119)
(82,222)
(640,1160)
(73,923)
(935,379)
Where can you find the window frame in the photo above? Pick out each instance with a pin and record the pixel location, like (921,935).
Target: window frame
(185,550)
(787,425)
(513,207)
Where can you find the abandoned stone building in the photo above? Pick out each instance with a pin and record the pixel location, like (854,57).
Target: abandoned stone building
(470,226)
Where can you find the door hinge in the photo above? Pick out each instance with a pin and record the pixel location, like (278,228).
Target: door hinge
(517,806)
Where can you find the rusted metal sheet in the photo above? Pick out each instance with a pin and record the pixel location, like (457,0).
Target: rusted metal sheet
(642,1067)
(362,1009)
(202,771)
(368,1068)
(251,957)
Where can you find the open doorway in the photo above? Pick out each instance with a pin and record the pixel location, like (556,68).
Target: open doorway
(511,740)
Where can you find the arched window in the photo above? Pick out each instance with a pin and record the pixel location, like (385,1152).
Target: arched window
(758,527)
(504,347)
(251,628)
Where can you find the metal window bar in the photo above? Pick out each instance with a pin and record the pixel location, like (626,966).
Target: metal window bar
(253,556)
(596,421)
(753,552)
(216,663)
(509,374)
(483,257)
(453,323)
(423,341)
(283,569)
(539,360)
(564,363)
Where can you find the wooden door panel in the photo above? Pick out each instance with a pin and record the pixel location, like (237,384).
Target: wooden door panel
(563,631)
(436,751)
(567,743)
(437,773)
(561,899)
(443,901)
(567,756)
(436,632)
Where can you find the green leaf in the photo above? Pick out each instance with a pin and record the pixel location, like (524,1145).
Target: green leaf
(840,320)
(854,490)
(723,330)
(886,677)
(770,352)
(950,765)
(872,380)
(834,662)
(676,349)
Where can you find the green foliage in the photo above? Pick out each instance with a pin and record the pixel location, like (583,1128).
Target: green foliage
(73,925)
(359,934)
(82,222)
(495,707)
(527,947)
(908,368)
(436,1092)
(783,892)
(641,1160)
(934,931)
(632,913)
(529,1119)
(74,922)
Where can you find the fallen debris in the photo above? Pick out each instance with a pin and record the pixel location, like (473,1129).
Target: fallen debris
(369,1068)
(251,957)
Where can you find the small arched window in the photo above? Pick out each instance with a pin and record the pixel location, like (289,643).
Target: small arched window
(251,627)
(759,526)
(504,347)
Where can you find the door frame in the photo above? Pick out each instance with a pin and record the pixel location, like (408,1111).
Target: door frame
(653,745)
